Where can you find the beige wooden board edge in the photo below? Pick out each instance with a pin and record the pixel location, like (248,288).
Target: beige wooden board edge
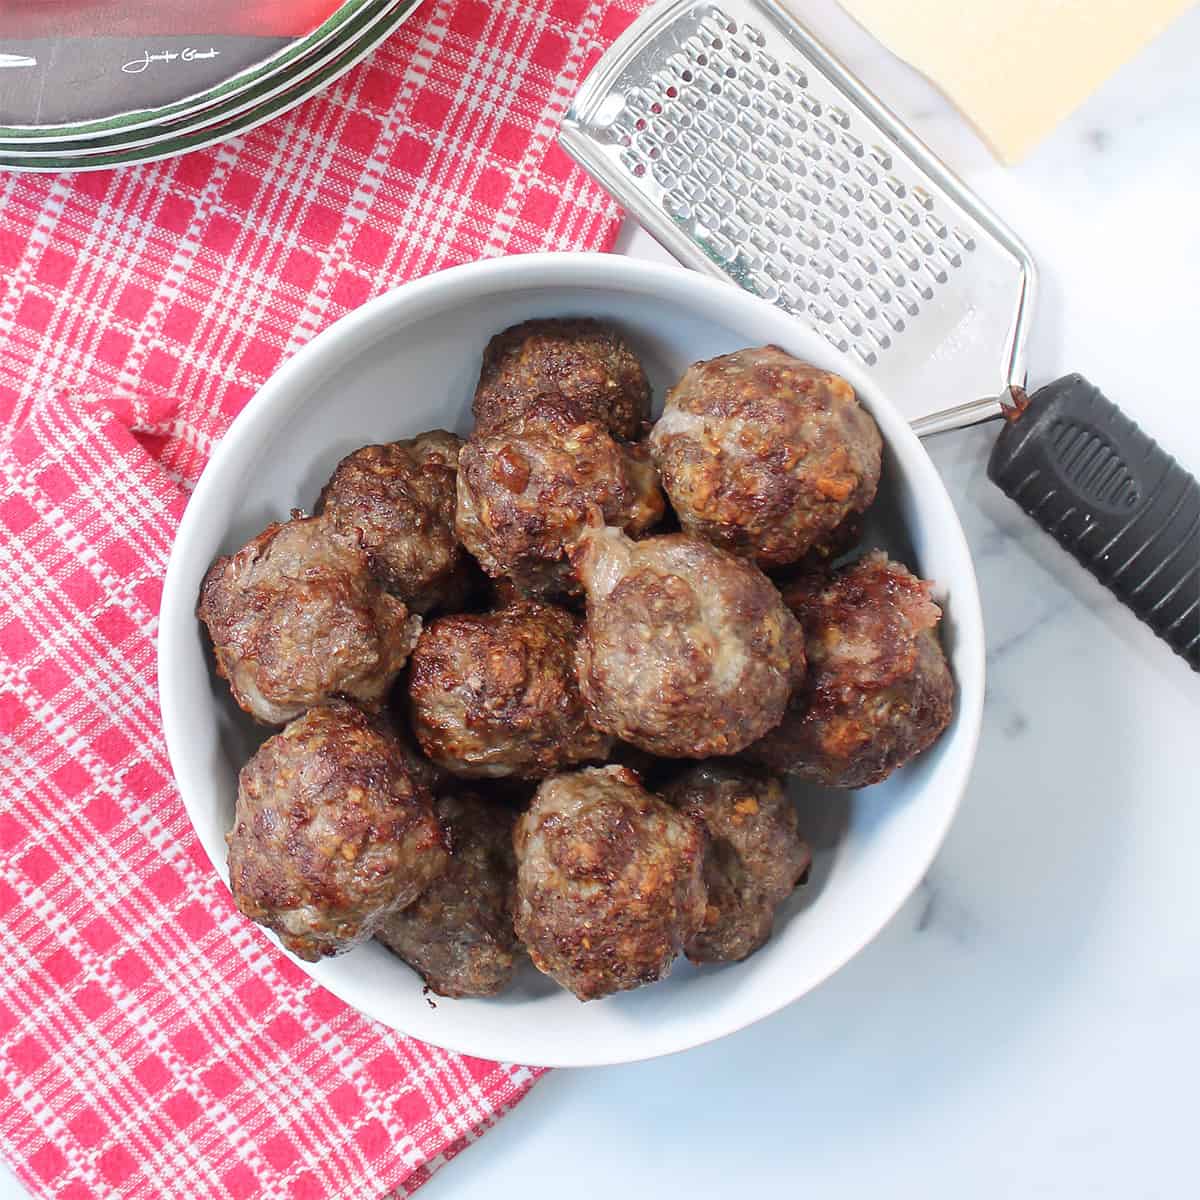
(1016,68)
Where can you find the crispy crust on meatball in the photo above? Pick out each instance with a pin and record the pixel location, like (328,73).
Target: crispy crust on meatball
(399,500)
(754,858)
(689,652)
(297,619)
(458,936)
(424,771)
(609,884)
(526,491)
(331,833)
(496,694)
(822,554)
(879,689)
(765,455)
(582,360)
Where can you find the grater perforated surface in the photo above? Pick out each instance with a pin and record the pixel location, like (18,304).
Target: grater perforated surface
(751,153)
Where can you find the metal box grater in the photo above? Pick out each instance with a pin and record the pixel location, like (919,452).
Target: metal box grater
(752,154)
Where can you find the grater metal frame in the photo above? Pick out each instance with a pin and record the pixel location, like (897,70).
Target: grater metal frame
(587,115)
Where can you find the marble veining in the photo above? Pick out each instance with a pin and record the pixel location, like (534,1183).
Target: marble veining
(943,911)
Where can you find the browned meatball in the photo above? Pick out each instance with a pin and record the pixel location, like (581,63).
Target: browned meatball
(582,360)
(879,690)
(649,768)
(754,858)
(526,491)
(502,592)
(609,884)
(822,553)
(425,772)
(689,652)
(297,619)
(459,935)
(764,455)
(496,694)
(331,833)
(399,499)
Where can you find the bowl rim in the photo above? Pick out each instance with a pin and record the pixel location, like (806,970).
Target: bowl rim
(563,269)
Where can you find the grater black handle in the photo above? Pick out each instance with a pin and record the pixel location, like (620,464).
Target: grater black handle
(1112,497)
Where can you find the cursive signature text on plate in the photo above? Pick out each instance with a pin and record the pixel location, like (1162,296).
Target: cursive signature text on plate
(148,59)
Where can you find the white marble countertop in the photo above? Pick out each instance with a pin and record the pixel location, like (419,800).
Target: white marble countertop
(1029,1024)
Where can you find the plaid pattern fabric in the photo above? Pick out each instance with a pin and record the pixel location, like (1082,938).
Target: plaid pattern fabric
(195,277)
(152,1043)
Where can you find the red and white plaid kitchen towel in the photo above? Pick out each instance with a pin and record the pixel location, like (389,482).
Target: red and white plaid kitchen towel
(194,278)
(152,1043)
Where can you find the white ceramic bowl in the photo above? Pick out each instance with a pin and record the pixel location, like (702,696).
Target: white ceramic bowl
(408,362)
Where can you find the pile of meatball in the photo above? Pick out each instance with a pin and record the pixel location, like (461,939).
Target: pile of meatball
(537,691)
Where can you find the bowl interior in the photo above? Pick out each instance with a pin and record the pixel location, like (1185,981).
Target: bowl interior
(408,363)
